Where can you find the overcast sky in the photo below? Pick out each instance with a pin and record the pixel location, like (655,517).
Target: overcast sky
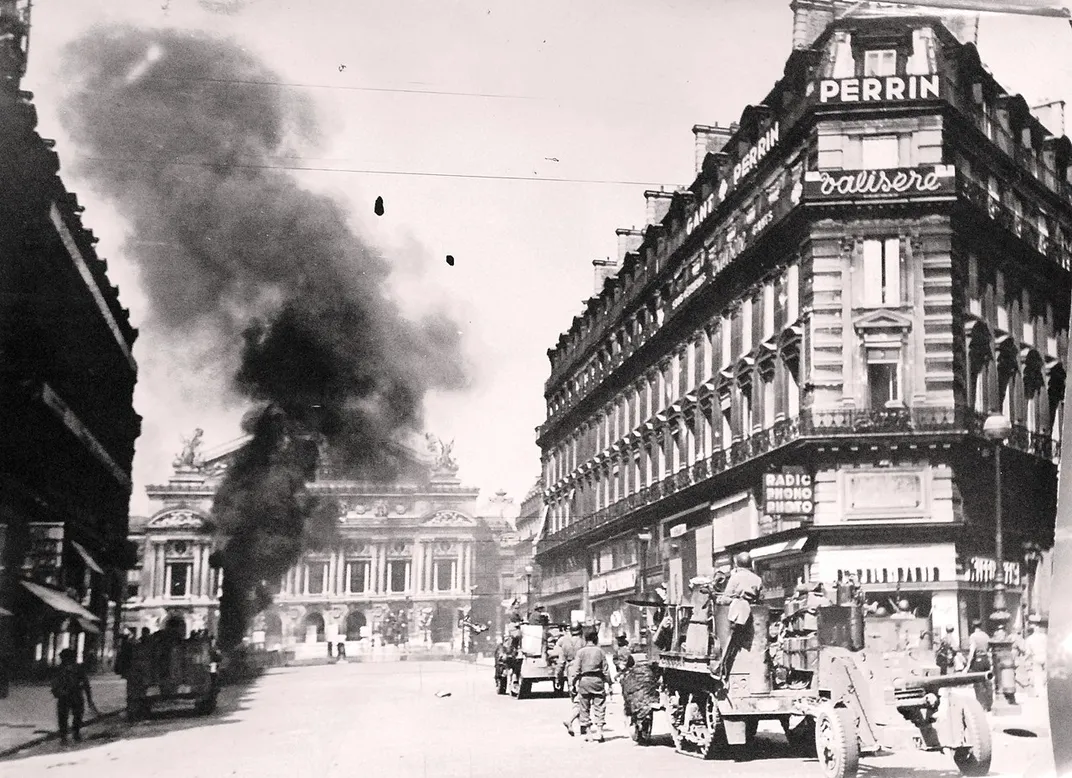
(603,91)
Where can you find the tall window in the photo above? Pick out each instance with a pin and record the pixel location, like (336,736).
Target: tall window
(178,578)
(316,577)
(884,379)
(398,575)
(358,576)
(882,272)
(443,571)
(880,62)
(768,310)
(880,152)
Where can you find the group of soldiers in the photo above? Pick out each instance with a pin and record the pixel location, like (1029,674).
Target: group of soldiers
(586,672)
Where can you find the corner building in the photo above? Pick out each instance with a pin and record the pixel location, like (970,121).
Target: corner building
(795,357)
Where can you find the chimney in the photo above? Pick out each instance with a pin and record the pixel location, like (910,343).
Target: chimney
(1052,116)
(710,139)
(628,240)
(965,28)
(604,268)
(658,204)
(810,19)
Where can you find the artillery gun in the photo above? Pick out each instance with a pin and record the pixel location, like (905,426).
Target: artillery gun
(810,671)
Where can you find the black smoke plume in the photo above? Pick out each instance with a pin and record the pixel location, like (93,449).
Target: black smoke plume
(267,279)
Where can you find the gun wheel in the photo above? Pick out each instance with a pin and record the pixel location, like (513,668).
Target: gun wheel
(836,743)
(973,758)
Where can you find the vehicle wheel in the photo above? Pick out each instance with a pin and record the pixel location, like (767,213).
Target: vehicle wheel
(513,684)
(500,684)
(524,689)
(836,743)
(693,722)
(642,729)
(973,758)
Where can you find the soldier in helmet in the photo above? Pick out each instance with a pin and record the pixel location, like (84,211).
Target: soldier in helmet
(743,589)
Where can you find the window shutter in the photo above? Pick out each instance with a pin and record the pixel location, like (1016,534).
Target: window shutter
(893,271)
(872,272)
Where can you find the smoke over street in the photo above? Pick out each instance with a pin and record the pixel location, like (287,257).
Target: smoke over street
(268,279)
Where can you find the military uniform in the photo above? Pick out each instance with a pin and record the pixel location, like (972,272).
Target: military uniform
(590,673)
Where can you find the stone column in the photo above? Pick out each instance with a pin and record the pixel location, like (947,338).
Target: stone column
(194,588)
(416,567)
(148,575)
(333,571)
(206,571)
(381,577)
(340,576)
(161,571)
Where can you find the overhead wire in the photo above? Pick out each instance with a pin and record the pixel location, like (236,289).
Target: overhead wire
(372,171)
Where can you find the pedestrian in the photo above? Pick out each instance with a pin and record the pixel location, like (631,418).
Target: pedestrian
(945,656)
(979,662)
(591,674)
(623,663)
(68,687)
(1036,655)
(340,650)
(124,656)
(565,651)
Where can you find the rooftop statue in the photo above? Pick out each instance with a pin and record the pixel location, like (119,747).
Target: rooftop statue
(190,458)
(443,462)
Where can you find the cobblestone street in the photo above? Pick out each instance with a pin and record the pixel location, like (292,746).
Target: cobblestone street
(386,719)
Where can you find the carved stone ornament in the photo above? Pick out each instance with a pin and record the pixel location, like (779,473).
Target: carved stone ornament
(450,519)
(360,510)
(400,509)
(179,518)
(381,509)
(190,456)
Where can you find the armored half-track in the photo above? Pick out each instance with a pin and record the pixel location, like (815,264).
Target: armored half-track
(809,670)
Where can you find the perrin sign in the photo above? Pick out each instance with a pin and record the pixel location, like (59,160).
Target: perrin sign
(874,89)
(788,492)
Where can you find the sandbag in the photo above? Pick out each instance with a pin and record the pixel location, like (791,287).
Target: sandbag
(640,688)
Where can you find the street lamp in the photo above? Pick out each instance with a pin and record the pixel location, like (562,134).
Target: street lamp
(644,537)
(997,428)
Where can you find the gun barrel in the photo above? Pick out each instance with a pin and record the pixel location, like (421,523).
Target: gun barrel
(931,682)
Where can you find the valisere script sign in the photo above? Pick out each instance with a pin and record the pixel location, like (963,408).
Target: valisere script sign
(894,183)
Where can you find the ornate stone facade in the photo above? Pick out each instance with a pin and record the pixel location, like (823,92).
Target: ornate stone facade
(425,547)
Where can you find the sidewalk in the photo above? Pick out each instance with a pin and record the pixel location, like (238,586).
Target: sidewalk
(28,714)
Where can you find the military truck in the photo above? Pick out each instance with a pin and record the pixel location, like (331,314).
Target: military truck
(167,670)
(809,670)
(529,661)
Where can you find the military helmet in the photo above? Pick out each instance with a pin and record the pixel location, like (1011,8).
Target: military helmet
(744,559)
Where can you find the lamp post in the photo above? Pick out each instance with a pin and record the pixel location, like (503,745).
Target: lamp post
(996,428)
(644,538)
(469,620)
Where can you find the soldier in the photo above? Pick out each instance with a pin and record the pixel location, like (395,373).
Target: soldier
(565,651)
(979,662)
(945,656)
(743,589)
(590,675)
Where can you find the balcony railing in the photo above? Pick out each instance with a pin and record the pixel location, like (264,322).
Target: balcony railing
(1014,223)
(811,424)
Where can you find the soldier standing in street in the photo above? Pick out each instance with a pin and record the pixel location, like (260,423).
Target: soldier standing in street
(743,589)
(945,656)
(591,674)
(68,687)
(979,662)
(565,651)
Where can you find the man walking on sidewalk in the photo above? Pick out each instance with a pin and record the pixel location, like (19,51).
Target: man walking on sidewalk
(591,675)
(70,683)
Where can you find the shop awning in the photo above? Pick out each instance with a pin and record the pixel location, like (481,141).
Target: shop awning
(783,547)
(88,626)
(59,601)
(91,563)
